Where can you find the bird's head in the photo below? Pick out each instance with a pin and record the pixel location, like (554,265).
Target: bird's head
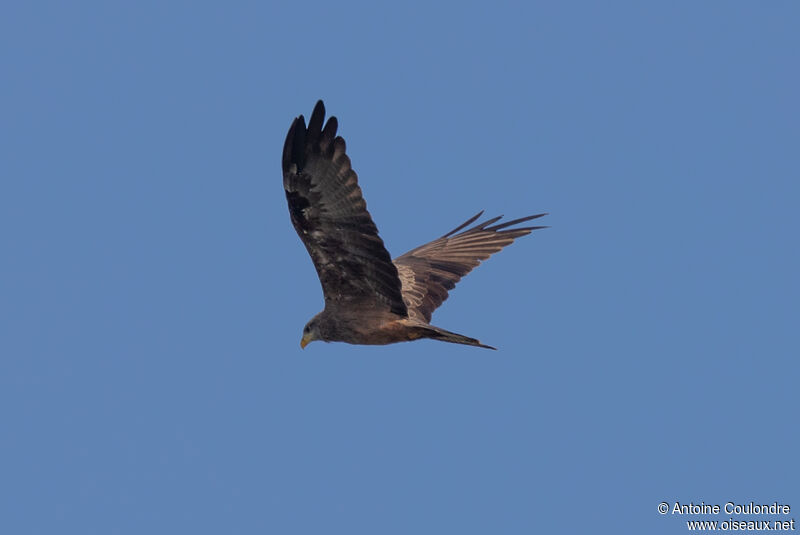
(310,332)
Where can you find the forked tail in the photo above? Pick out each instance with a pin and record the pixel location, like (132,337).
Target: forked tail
(437,333)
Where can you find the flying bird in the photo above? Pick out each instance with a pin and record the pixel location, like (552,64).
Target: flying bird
(370,298)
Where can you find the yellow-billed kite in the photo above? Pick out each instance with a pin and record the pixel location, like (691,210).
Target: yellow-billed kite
(370,298)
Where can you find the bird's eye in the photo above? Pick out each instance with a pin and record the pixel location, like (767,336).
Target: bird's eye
(306,329)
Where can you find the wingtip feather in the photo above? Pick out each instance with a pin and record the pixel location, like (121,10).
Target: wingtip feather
(294,146)
(315,123)
(507,224)
(464,224)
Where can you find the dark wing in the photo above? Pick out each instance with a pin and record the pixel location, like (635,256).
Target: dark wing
(331,217)
(430,271)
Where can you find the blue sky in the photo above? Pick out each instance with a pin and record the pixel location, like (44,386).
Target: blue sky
(153,290)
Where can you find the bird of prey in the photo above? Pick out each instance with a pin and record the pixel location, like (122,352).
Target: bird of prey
(370,298)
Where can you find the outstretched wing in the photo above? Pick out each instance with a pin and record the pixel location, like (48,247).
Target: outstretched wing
(331,217)
(430,271)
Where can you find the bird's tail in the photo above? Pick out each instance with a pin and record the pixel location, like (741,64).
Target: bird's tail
(443,335)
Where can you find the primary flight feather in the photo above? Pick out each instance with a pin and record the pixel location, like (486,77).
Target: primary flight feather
(370,298)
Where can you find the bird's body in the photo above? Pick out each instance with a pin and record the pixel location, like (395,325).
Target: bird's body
(370,298)
(345,324)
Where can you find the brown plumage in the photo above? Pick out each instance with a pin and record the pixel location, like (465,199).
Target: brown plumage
(369,298)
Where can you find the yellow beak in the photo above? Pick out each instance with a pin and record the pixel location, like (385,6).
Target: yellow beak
(304,341)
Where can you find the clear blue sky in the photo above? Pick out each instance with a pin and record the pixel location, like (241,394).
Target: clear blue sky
(153,290)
